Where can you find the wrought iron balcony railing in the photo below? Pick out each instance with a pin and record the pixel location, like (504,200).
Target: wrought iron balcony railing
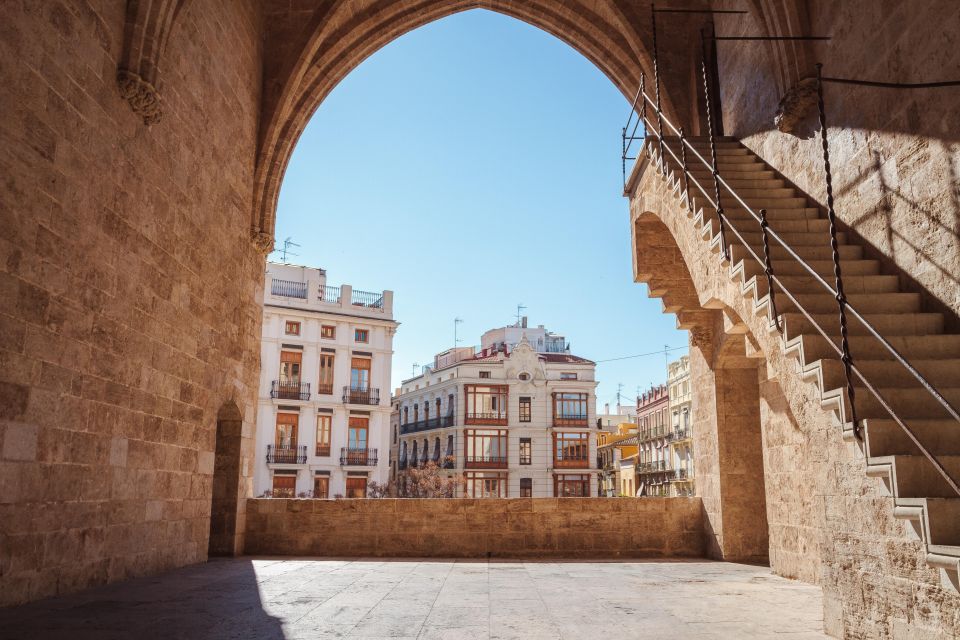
(361,395)
(286,455)
(441,422)
(351,457)
(322,450)
(325,389)
(288,288)
(286,390)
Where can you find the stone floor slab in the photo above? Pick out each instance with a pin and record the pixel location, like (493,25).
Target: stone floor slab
(301,599)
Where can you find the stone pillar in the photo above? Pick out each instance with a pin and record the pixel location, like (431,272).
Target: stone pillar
(728,455)
(229,495)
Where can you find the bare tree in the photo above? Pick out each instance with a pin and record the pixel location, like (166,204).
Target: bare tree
(428,481)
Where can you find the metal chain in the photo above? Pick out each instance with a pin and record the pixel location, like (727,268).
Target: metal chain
(713,154)
(768,269)
(835,248)
(656,81)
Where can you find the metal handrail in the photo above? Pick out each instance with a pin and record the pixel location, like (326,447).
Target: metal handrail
(776,280)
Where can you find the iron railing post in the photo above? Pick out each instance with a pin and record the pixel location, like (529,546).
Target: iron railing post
(768,268)
(623,154)
(656,82)
(683,161)
(713,150)
(834,247)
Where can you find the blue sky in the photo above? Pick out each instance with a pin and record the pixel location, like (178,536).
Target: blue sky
(470,166)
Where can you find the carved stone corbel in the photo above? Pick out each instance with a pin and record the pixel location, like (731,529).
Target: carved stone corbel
(145,36)
(262,241)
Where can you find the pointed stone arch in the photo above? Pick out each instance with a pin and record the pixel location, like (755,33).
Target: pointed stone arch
(228,500)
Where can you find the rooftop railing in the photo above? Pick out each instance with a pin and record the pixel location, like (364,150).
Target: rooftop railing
(288,288)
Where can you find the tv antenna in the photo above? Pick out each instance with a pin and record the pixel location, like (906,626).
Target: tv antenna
(285,252)
(520,308)
(456,321)
(413,373)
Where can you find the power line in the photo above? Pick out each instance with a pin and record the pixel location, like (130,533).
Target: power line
(641,355)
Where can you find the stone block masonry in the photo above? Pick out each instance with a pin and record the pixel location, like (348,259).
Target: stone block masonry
(468,528)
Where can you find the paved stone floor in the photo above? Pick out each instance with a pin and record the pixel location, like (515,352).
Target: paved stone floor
(321,598)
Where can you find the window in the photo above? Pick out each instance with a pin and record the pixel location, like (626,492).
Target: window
(325,384)
(570,409)
(328,331)
(484,374)
(481,484)
(567,485)
(284,486)
(438,408)
(323,434)
(321,487)
(524,376)
(360,374)
(526,409)
(486,404)
(567,375)
(451,405)
(526,487)
(290,368)
(285,438)
(356,486)
(291,328)
(361,335)
(526,451)
(357,433)
(571,450)
(485,448)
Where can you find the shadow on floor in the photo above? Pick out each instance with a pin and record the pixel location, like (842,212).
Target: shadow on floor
(219,599)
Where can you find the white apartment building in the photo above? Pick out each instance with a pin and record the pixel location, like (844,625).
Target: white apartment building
(511,419)
(681,437)
(323,414)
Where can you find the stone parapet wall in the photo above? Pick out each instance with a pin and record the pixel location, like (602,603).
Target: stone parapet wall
(468,528)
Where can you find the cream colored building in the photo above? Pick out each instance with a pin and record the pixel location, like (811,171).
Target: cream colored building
(512,419)
(323,412)
(680,437)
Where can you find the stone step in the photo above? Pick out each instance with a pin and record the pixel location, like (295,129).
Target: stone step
(705,176)
(884,437)
(791,238)
(902,324)
(914,476)
(851,284)
(779,255)
(941,515)
(907,402)
(774,214)
(940,372)
(930,346)
(864,303)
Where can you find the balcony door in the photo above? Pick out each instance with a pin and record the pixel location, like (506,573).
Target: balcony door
(286,432)
(290,362)
(360,374)
(357,433)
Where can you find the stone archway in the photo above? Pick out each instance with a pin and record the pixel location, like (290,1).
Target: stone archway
(227,500)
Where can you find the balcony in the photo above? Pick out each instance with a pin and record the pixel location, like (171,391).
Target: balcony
(426,425)
(449,462)
(680,474)
(350,457)
(285,455)
(487,418)
(288,288)
(325,389)
(367,299)
(402,464)
(580,462)
(485,461)
(570,421)
(287,390)
(361,395)
(681,433)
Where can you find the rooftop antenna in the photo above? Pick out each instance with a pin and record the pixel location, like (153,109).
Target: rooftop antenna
(456,321)
(414,372)
(285,253)
(619,389)
(520,308)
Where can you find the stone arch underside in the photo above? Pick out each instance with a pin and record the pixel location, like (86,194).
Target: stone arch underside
(336,40)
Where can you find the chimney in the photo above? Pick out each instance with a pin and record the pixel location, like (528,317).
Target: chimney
(606,408)
(523,323)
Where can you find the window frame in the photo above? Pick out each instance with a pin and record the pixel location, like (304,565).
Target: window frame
(322,445)
(324,381)
(478,455)
(526,451)
(499,395)
(526,487)
(328,331)
(563,401)
(571,450)
(365,333)
(287,324)
(526,409)
(580,480)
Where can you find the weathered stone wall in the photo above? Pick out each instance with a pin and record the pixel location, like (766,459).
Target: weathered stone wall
(829,522)
(462,527)
(895,153)
(128,283)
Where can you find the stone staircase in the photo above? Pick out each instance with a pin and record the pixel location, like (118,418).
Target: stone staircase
(920,494)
